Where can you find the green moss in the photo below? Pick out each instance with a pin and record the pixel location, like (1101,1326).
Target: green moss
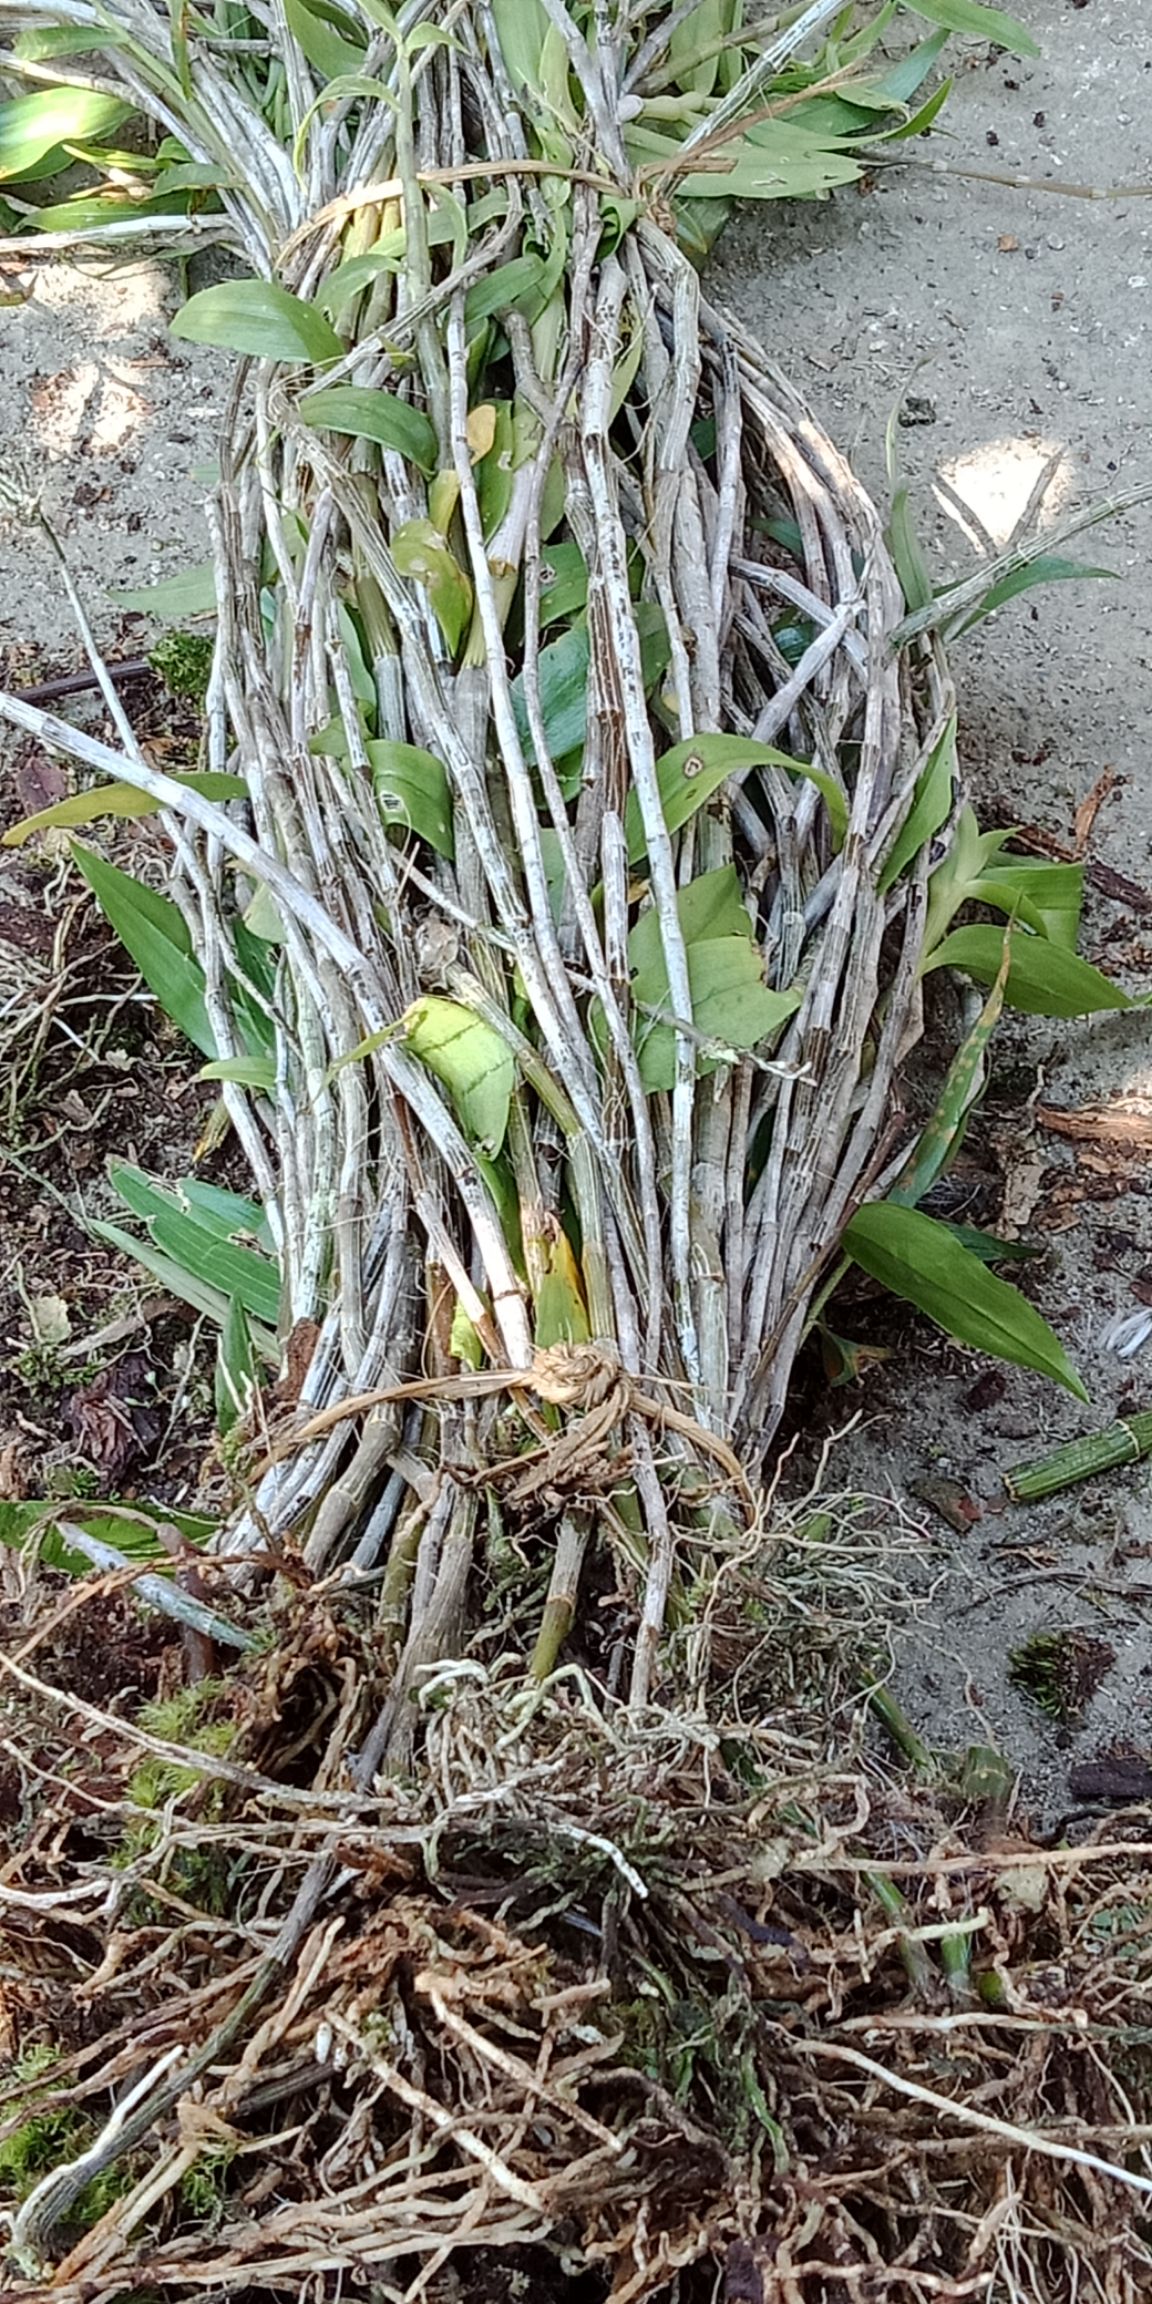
(203,2188)
(51,2134)
(184,663)
(47,2134)
(1060,1671)
(201,1876)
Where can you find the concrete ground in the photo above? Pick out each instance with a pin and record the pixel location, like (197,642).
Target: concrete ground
(1019,322)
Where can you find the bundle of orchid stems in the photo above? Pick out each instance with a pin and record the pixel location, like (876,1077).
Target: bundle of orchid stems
(557,932)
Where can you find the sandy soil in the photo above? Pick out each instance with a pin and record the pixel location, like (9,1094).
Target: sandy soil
(117,424)
(1035,395)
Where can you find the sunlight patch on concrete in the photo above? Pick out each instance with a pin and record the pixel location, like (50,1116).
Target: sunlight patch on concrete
(1005,489)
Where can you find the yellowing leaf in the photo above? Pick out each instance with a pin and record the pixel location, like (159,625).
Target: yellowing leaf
(561,1312)
(443,497)
(421,553)
(472,1061)
(480,431)
(465,1342)
(117,800)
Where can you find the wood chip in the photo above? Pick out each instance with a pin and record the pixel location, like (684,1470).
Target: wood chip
(1101,1124)
(1089,809)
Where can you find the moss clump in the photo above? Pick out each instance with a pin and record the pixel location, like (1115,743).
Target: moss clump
(1060,1672)
(184,663)
(53,2132)
(201,1875)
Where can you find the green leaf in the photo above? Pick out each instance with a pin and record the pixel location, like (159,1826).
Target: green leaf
(563,584)
(43,43)
(494,471)
(224,1215)
(709,906)
(519,286)
(1044,979)
(562,676)
(235,1382)
(130,1527)
(119,800)
(1052,893)
(260,318)
(562,673)
(240,1272)
(370,415)
(190,594)
(922,120)
(943,1133)
(412,788)
(152,930)
(793,637)
(257,1072)
(420,552)
(1048,568)
(521,26)
(931,807)
(358,272)
(32,128)
(704,28)
(921,1261)
(175,1277)
(990,1249)
(448,222)
(228,1215)
(731,1004)
(192,176)
(89,212)
(691,772)
(982,23)
(315,33)
(907,557)
(901,537)
(902,80)
(359,671)
(776,161)
(472,1061)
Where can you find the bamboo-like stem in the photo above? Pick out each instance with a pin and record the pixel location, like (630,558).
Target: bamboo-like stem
(1124,1442)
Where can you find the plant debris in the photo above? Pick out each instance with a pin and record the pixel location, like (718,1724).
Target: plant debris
(1061,1671)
